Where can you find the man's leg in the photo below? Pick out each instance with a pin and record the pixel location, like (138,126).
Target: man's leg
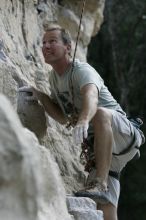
(103,142)
(109,211)
(118,126)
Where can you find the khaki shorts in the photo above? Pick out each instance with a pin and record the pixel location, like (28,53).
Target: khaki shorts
(123,133)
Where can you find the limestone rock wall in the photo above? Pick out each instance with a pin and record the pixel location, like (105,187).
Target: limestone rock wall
(22,63)
(30,185)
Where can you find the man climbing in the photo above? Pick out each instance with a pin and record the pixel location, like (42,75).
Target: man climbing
(79,97)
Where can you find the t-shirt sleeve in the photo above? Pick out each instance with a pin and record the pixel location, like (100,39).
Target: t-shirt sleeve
(86,74)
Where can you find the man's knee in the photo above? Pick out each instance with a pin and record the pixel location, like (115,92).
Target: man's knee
(102,116)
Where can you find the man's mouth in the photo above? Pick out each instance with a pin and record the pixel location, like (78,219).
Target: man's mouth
(48,53)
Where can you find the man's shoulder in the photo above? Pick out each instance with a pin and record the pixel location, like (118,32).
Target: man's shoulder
(82,66)
(78,63)
(86,70)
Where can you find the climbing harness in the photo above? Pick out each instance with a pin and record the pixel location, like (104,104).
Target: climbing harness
(87,156)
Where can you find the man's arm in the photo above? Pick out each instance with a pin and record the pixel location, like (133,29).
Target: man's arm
(89,94)
(50,107)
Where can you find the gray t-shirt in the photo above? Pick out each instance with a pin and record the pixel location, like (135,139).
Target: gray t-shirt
(82,75)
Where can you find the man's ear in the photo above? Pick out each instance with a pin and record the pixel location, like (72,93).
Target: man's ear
(69,48)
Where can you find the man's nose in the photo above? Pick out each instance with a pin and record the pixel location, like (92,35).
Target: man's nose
(46,45)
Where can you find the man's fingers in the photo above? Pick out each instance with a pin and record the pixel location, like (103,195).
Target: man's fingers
(85,131)
(79,133)
(30,93)
(25,89)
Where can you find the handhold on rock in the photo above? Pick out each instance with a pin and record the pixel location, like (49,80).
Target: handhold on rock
(32,115)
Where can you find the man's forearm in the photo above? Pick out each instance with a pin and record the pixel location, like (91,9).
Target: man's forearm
(89,108)
(89,103)
(51,108)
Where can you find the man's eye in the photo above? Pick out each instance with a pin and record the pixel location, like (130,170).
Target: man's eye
(53,41)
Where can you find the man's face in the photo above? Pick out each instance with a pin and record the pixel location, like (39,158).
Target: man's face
(53,47)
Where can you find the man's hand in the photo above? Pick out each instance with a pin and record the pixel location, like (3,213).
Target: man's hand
(30,91)
(80,132)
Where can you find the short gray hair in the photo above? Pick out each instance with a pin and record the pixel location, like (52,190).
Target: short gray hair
(65,35)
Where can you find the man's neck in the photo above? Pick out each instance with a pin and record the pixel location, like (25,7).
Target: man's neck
(61,67)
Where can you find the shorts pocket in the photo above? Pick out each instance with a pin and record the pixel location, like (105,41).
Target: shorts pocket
(121,124)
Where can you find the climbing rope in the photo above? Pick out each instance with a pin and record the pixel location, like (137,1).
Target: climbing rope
(88,162)
(73,116)
(78,34)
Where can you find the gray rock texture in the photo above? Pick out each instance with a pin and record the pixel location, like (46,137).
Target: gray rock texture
(30,185)
(83,208)
(32,111)
(37,168)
